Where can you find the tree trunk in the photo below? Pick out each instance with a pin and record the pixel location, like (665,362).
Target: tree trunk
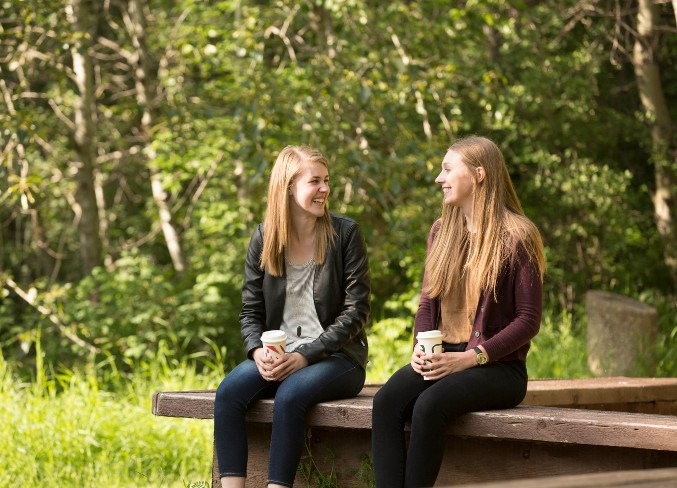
(321,23)
(83,24)
(663,152)
(145,79)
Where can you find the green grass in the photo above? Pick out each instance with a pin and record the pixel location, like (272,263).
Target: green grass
(64,430)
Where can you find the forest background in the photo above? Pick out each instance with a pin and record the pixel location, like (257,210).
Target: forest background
(136,140)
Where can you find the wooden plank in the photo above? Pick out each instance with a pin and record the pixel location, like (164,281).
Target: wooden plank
(640,395)
(646,478)
(599,391)
(546,424)
(467,460)
(571,426)
(344,453)
(622,394)
(658,408)
(198,404)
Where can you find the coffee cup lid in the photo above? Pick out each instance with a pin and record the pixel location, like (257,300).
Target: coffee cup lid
(273,336)
(429,334)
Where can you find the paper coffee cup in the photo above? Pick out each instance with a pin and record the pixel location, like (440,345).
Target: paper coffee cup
(274,342)
(429,342)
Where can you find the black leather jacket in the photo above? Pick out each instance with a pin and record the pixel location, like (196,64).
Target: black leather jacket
(341,294)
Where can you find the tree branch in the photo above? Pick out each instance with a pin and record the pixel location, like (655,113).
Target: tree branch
(69,123)
(29,298)
(7,96)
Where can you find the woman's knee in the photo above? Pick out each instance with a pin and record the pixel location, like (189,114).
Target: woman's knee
(288,400)
(428,410)
(382,400)
(223,398)
(231,395)
(393,397)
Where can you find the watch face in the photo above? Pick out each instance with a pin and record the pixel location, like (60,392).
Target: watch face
(481,358)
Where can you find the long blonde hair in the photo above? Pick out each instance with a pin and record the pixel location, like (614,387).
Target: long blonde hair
(498,219)
(277,223)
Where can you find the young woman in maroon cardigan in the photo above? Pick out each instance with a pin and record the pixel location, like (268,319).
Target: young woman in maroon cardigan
(483,289)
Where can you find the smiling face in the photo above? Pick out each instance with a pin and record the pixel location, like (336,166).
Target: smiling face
(457,181)
(310,190)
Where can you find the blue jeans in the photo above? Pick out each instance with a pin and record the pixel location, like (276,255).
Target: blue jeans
(335,377)
(430,405)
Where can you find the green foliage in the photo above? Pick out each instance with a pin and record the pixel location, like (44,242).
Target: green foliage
(366,472)
(308,469)
(380,87)
(136,311)
(390,346)
(559,349)
(391,338)
(610,247)
(667,332)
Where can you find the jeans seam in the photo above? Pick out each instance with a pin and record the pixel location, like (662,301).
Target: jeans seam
(233,474)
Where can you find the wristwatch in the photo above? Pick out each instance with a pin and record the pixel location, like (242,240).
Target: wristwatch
(481,357)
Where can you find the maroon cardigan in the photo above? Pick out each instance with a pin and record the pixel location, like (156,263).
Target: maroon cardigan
(503,327)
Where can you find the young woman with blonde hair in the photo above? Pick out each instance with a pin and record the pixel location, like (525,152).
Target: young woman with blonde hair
(483,290)
(307,274)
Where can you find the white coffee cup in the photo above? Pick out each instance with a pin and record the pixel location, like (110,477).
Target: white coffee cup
(429,342)
(274,342)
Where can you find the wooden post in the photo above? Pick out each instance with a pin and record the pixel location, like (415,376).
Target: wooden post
(621,335)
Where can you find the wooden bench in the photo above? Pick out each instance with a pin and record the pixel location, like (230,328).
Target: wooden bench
(524,442)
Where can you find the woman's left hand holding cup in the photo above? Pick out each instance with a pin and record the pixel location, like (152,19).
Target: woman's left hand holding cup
(417,361)
(264,364)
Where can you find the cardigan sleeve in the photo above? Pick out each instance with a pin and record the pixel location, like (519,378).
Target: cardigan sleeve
(527,292)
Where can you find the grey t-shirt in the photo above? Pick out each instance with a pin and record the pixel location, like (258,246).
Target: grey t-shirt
(299,319)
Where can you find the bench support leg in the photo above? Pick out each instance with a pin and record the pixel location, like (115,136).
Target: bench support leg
(216,479)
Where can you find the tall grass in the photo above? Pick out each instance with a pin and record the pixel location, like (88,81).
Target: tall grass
(559,349)
(72,428)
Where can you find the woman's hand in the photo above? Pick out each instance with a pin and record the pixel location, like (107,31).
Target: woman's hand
(445,363)
(287,364)
(417,362)
(438,365)
(263,363)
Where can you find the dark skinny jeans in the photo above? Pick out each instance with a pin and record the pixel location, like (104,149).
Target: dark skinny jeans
(335,377)
(430,405)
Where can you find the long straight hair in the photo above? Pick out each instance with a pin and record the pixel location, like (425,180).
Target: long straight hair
(499,221)
(277,223)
